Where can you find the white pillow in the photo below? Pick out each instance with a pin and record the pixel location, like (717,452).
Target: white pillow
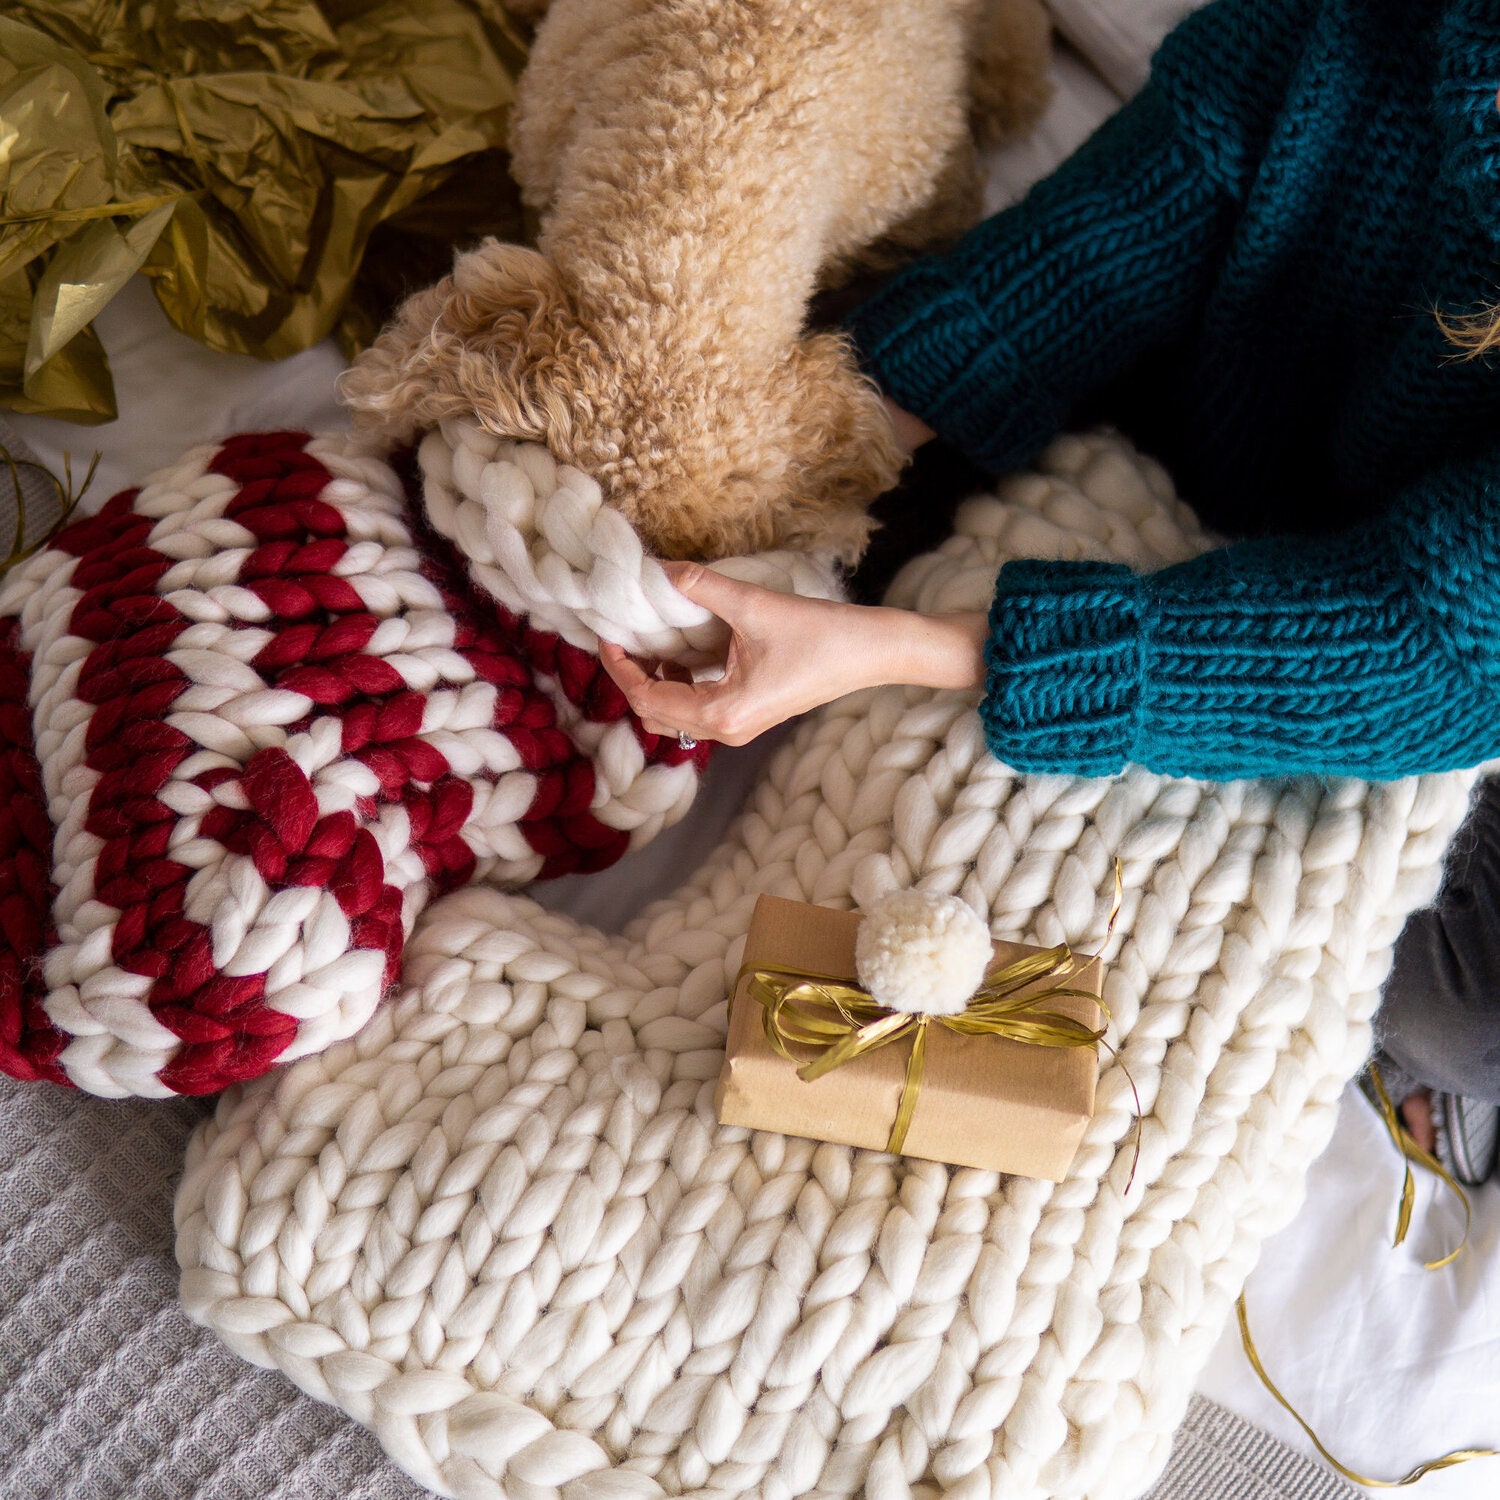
(1119,36)
(1081,102)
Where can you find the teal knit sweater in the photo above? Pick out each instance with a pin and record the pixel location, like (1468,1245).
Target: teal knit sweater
(1241,269)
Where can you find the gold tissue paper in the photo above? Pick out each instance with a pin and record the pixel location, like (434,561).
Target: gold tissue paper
(280,169)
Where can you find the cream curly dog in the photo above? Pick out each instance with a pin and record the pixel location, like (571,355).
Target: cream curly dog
(701,167)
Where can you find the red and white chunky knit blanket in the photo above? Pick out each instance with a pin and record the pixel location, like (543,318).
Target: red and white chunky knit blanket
(253,716)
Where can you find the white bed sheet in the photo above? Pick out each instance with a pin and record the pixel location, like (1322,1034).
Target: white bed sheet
(173,393)
(1392,1364)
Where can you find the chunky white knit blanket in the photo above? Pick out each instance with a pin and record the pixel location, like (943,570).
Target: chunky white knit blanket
(501,1228)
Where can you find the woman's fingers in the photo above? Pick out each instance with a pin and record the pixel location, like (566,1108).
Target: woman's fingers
(672,703)
(626,672)
(664,706)
(730,599)
(632,678)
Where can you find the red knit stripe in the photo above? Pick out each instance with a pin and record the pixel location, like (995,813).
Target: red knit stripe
(248,456)
(558,825)
(29,1042)
(506,651)
(322,625)
(228,1033)
(114,520)
(131,686)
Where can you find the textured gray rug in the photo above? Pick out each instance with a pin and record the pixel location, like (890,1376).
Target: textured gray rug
(107,1392)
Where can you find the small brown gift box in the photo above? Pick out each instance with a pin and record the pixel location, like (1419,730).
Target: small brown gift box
(985,1101)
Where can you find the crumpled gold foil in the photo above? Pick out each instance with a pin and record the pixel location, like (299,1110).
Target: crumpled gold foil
(281,170)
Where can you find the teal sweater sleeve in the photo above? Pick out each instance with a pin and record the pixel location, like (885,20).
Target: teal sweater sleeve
(1104,261)
(1373,654)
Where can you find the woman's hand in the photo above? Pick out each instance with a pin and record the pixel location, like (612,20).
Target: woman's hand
(787,655)
(911,432)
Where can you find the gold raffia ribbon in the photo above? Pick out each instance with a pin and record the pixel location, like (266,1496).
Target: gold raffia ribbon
(1447,1461)
(839,1021)
(1410,1152)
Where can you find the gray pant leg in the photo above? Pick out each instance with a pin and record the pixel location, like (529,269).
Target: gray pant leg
(1439,1018)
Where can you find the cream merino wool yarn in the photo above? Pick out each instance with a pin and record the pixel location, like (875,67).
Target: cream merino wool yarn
(538,536)
(501,1228)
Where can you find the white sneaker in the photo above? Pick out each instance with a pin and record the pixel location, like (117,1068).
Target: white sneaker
(1468,1133)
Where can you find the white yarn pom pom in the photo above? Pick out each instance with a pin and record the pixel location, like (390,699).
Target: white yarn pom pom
(915,951)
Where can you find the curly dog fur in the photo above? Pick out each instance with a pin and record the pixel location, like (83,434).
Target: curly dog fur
(701,167)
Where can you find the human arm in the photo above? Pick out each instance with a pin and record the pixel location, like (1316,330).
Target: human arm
(787,655)
(1112,257)
(1375,653)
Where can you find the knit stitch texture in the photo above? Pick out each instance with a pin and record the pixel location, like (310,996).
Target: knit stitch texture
(247,728)
(254,714)
(501,1228)
(1240,269)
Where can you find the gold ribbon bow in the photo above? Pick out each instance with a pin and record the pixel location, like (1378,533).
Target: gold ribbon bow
(839,1020)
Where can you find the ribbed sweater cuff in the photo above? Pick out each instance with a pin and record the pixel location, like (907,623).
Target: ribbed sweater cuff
(1066,666)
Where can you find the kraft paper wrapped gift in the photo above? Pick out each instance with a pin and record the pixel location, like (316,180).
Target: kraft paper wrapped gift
(985,1101)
